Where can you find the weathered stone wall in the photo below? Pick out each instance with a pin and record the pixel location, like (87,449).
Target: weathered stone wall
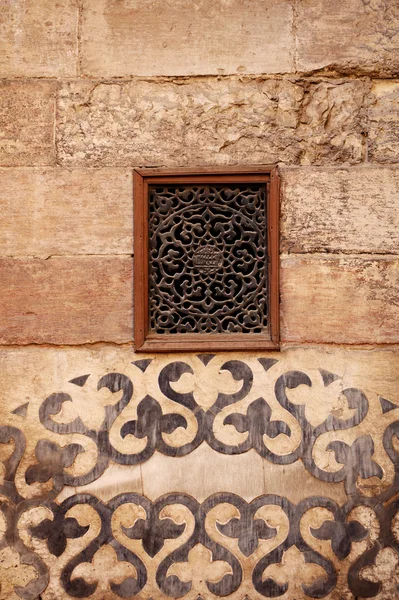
(230,475)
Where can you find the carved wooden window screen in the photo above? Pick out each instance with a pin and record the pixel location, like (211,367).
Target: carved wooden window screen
(206,259)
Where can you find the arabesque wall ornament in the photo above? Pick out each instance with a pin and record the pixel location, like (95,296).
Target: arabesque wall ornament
(176,545)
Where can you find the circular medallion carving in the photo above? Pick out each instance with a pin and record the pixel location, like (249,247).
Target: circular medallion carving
(207,259)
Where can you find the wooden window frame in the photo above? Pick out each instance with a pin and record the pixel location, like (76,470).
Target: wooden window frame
(144,341)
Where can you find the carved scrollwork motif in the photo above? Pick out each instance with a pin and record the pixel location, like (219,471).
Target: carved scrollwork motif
(176,543)
(255,424)
(175,546)
(208,271)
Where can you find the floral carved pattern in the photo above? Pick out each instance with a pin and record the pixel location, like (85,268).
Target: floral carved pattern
(208,271)
(176,546)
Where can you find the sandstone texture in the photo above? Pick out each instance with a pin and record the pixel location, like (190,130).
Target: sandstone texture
(358,37)
(27,123)
(383,122)
(198,475)
(340,210)
(209,121)
(343,300)
(38,39)
(53,211)
(179,37)
(66,300)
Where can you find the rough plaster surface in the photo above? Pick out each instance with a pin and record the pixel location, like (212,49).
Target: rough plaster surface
(211,121)
(384,122)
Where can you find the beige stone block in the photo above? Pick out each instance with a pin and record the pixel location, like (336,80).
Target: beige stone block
(66,300)
(58,211)
(247,475)
(192,474)
(351,37)
(211,122)
(340,210)
(38,39)
(117,479)
(294,482)
(27,123)
(342,300)
(383,122)
(179,37)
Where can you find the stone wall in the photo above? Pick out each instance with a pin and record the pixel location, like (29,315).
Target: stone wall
(234,475)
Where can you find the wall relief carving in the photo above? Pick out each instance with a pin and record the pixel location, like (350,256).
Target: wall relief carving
(208,270)
(176,546)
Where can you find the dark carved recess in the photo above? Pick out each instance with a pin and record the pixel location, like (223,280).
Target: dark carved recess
(208,258)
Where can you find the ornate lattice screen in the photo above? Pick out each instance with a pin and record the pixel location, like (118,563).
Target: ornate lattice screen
(206,260)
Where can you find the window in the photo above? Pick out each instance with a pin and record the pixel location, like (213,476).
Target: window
(206,259)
